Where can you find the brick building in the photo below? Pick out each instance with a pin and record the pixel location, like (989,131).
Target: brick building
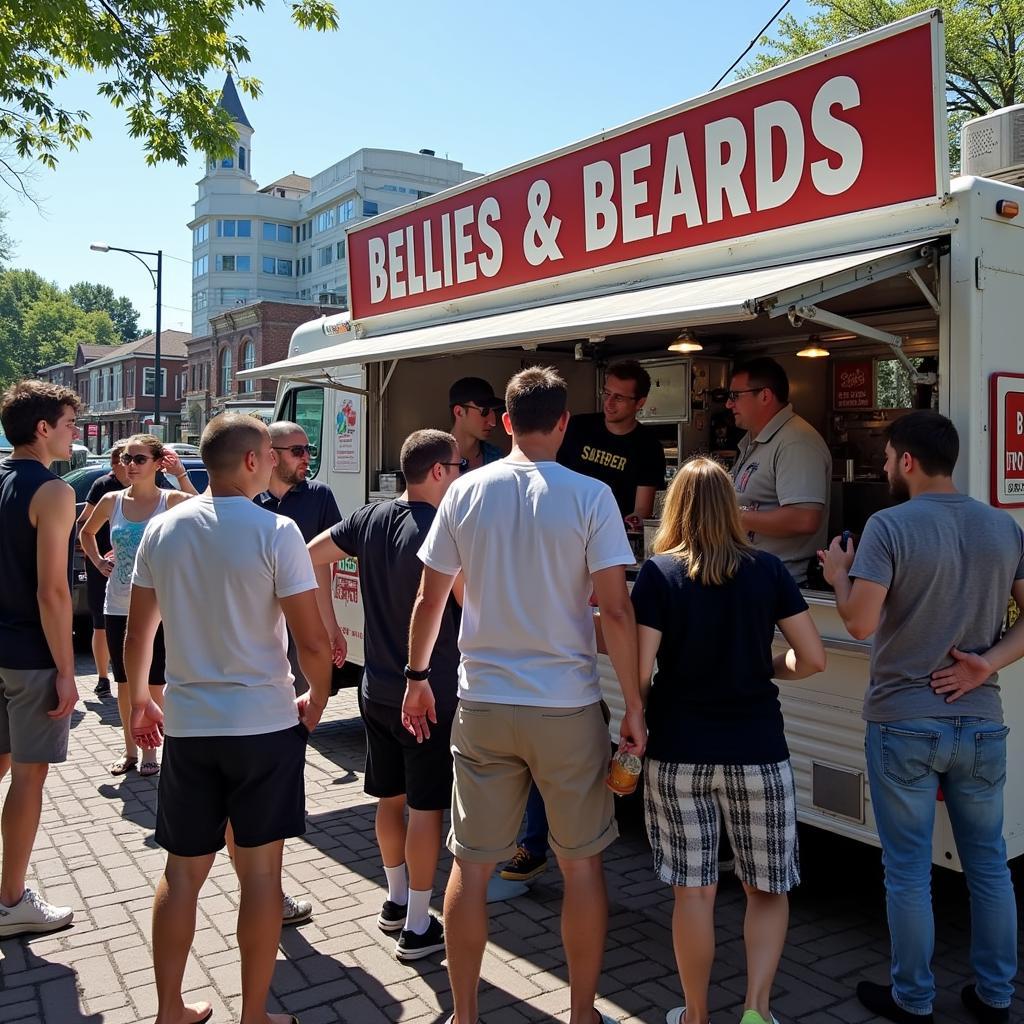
(64,373)
(118,389)
(240,339)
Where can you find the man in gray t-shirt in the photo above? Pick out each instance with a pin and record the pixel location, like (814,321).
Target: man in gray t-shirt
(783,471)
(931,583)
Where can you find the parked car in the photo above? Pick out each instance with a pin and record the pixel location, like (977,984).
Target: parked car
(82,480)
(5,446)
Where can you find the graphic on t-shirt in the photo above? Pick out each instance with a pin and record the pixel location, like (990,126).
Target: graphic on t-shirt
(601,458)
(744,478)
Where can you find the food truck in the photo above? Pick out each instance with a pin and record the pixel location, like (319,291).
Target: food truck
(806,213)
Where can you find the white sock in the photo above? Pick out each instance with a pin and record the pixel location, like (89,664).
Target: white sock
(398,884)
(417,914)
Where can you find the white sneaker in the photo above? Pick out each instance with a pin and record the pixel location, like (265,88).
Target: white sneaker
(676,1015)
(32,914)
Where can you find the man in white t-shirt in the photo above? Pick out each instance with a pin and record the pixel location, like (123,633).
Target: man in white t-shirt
(226,576)
(533,540)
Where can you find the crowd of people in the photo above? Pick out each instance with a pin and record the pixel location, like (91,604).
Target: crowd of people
(489,586)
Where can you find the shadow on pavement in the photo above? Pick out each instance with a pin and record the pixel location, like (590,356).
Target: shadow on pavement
(55,996)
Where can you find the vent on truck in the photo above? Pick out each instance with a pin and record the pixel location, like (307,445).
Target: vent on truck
(993,146)
(838,790)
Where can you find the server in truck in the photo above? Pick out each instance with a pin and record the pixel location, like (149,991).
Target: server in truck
(933,709)
(783,471)
(475,408)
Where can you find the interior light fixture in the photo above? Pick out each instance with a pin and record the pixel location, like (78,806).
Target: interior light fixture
(686,342)
(813,349)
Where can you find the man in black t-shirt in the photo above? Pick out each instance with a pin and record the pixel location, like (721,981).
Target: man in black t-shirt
(386,536)
(612,446)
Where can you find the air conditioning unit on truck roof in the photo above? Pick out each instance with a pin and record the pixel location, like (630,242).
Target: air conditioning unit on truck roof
(993,146)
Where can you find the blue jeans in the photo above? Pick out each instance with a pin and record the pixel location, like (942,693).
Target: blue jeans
(535,833)
(907,761)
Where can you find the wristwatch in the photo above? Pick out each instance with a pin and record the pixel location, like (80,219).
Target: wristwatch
(420,676)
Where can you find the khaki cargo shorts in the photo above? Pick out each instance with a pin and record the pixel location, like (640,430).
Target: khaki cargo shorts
(498,748)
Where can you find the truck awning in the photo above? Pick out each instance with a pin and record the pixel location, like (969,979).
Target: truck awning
(711,300)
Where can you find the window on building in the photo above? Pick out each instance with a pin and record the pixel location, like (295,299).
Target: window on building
(116,376)
(277,232)
(284,268)
(227,162)
(248,363)
(199,300)
(200,266)
(241,158)
(325,256)
(269,265)
(234,229)
(201,234)
(346,211)
(237,263)
(100,381)
(369,208)
(225,262)
(233,296)
(341,249)
(325,220)
(129,382)
(243,264)
(225,371)
(149,381)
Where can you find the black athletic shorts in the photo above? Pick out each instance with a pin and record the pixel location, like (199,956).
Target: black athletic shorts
(95,593)
(116,627)
(396,764)
(255,782)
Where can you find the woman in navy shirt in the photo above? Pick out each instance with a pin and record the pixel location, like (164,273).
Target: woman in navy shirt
(707,604)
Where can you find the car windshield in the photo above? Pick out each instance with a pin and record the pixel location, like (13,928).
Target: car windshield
(82,479)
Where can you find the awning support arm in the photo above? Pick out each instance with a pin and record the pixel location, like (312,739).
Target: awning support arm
(326,381)
(387,377)
(925,290)
(842,323)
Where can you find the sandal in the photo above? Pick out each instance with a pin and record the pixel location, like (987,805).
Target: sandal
(123,765)
(149,768)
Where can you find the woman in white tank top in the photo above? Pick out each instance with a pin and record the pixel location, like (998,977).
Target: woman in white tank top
(128,512)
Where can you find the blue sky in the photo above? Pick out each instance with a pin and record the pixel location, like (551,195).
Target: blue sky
(485,88)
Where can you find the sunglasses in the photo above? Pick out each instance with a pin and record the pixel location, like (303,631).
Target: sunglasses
(298,450)
(139,460)
(463,464)
(484,410)
(733,395)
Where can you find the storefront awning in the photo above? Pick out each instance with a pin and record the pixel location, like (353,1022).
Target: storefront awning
(712,300)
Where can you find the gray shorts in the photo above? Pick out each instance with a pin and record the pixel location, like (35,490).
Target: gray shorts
(27,733)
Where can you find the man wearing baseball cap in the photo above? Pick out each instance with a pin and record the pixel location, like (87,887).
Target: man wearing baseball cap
(474,407)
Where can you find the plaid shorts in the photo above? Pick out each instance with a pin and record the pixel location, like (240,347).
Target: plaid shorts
(685,803)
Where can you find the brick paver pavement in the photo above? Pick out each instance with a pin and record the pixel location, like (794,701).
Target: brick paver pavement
(96,852)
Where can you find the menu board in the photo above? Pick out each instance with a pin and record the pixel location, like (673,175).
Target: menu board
(853,384)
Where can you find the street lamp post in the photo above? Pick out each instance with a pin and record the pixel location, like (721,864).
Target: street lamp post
(158,280)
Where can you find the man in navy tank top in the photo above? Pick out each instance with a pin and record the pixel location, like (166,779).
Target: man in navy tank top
(37,665)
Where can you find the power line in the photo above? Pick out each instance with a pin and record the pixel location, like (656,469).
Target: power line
(753,43)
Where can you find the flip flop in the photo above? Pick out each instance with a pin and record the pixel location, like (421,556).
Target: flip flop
(123,765)
(150,768)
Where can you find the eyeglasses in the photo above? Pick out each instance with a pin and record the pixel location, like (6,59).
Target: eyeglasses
(612,396)
(484,410)
(733,395)
(139,460)
(463,464)
(298,450)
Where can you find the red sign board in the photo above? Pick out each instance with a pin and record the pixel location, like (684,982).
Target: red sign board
(92,430)
(853,130)
(853,384)
(1006,402)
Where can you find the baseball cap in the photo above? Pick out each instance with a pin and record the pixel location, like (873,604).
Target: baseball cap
(474,391)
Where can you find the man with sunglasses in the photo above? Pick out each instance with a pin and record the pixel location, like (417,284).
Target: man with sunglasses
(783,472)
(311,505)
(386,537)
(613,446)
(475,409)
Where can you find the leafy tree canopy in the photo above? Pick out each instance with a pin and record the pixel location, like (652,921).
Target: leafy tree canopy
(92,297)
(6,242)
(40,325)
(984,48)
(152,57)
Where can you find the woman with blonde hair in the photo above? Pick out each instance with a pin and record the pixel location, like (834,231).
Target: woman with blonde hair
(707,604)
(128,512)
